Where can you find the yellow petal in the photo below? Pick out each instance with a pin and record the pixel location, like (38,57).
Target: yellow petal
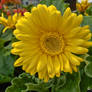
(18,44)
(78,58)
(50,67)
(10,20)
(3,21)
(61,63)
(23,37)
(52,8)
(42,63)
(27,14)
(67,13)
(83,33)
(56,65)
(55,21)
(72,59)
(42,73)
(18,62)
(32,62)
(86,27)
(5,29)
(16,51)
(67,26)
(46,78)
(74,68)
(87,44)
(33,71)
(67,67)
(79,20)
(72,33)
(77,49)
(75,42)
(87,37)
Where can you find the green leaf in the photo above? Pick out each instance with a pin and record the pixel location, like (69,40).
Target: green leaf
(18,83)
(88,70)
(89,11)
(1,28)
(42,1)
(1,43)
(4,78)
(7,36)
(88,66)
(87,21)
(59,82)
(47,2)
(54,84)
(90,87)
(6,66)
(6,59)
(86,83)
(90,51)
(29,7)
(60,5)
(89,58)
(26,82)
(72,83)
(36,87)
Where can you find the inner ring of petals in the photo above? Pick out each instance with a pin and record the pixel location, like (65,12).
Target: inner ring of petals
(52,43)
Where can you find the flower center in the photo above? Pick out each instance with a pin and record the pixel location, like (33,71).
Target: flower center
(52,43)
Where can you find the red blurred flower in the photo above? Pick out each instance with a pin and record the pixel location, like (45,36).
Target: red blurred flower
(8,13)
(2,1)
(22,11)
(11,1)
(1,6)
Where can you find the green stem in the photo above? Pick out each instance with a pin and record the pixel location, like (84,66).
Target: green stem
(53,89)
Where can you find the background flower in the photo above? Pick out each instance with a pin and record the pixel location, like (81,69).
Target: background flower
(19,10)
(0,6)
(83,6)
(10,22)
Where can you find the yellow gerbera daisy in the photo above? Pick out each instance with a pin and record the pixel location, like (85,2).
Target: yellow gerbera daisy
(83,6)
(49,41)
(10,22)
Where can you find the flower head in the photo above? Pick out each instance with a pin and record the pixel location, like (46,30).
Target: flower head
(49,42)
(83,6)
(10,22)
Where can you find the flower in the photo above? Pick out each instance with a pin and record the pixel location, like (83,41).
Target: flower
(49,42)
(0,6)
(8,13)
(10,22)
(11,1)
(83,6)
(19,10)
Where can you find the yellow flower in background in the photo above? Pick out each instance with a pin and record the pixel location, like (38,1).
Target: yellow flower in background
(49,42)
(10,22)
(83,6)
